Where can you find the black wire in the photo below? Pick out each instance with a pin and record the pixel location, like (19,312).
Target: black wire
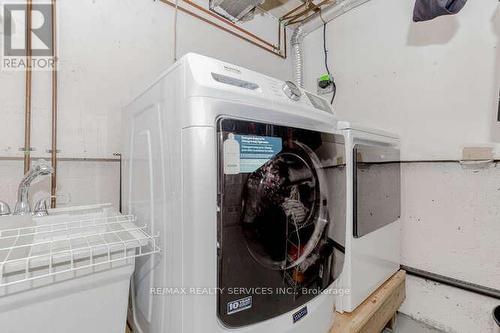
(334,87)
(324,48)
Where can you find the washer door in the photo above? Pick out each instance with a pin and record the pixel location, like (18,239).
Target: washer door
(377,187)
(284,208)
(276,207)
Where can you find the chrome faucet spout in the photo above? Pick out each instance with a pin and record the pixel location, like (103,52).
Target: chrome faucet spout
(42,168)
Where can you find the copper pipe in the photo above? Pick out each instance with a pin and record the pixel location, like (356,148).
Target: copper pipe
(192,13)
(291,19)
(309,7)
(290,12)
(285,39)
(279,31)
(318,11)
(65,159)
(220,18)
(311,10)
(27,101)
(53,153)
(282,26)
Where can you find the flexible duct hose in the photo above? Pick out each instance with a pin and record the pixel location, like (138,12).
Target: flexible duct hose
(298,61)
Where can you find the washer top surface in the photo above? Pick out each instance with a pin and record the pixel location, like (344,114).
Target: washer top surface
(347,125)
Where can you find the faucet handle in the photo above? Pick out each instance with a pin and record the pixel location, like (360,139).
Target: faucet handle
(41,207)
(4,208)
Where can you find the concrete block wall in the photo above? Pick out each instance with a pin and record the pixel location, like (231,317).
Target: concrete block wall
(451,227)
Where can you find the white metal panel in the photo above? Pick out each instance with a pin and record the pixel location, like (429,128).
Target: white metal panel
(142,204)
(189,207)
(90,303)
(151,149)
(371,259)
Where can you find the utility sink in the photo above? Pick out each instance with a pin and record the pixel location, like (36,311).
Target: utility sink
(68,271)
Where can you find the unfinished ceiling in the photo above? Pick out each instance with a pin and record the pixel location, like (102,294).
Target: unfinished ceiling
(295,11)
(279,8)
(288,12)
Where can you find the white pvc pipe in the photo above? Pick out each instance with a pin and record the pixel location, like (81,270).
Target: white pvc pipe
(339,8)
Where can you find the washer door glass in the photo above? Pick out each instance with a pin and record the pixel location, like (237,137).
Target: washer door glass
(284,208)
(281,191)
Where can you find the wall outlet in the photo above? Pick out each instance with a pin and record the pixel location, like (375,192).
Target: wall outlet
(324,84)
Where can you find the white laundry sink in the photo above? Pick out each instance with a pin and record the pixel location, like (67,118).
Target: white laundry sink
(69,271)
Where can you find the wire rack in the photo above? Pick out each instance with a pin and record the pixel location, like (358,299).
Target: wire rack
(49,249)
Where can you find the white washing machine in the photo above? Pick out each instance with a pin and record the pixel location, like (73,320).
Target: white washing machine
(371,252)
(260,198)
(243,177)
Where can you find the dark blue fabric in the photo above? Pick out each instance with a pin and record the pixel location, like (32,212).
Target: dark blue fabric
(428,9)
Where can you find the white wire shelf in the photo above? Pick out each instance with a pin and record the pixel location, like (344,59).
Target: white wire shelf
(47,249)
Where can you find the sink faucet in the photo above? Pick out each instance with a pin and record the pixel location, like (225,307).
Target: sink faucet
(42,168)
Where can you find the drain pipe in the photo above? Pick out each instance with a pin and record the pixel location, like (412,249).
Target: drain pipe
(298,60)
(456,283)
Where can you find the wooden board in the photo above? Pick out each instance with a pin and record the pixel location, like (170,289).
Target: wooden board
(377,311)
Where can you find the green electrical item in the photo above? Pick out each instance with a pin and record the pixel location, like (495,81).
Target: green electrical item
(324,83)
(325,77)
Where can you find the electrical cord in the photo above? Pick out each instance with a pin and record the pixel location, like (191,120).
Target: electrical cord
(334,87)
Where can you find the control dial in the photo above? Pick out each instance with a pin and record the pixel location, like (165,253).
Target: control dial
(291,91)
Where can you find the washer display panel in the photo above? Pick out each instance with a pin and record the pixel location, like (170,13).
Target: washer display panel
(278,202)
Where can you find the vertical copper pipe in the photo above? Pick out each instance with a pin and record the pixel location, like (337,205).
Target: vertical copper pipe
(27,101)
(53,184)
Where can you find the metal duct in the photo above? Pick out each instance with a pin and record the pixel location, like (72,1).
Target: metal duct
(235,10)
(298,60)
(338,8)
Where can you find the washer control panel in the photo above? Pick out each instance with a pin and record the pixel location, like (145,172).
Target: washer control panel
(233,79)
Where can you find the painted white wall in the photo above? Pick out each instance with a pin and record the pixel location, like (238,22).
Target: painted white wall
(435,83)
(109,51)
(80,182)
(443,307)
(450,227)
(452,221)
